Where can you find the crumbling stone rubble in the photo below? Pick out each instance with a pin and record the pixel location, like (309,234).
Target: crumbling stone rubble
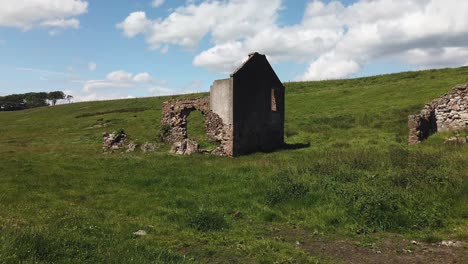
(447,113)
(131,147)
(113,141)
(456,140)
(148,147)
(184,147)
(117,140)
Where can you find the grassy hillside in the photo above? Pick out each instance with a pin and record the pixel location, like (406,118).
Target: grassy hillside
(63,200)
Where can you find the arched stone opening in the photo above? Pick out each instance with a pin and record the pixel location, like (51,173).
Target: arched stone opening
(199,129)
(196,129)
(175,121)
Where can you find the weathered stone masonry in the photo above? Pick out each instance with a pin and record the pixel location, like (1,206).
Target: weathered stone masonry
(245,112)
(448,113)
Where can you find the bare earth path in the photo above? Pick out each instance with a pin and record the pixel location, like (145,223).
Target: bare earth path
(394,249)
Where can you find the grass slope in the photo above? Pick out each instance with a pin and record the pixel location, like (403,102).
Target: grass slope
(63,200)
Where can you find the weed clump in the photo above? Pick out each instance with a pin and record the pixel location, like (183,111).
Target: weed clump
(284,188)
(399,156)
(431,238)
(389,209)
(35,246)
(378,208)
(205,220)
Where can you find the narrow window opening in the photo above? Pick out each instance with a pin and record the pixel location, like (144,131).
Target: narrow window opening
(274,100)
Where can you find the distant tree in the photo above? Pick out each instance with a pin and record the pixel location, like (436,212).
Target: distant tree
(55,96)
(16,102)
(12,102)
(69,98)
(33,100)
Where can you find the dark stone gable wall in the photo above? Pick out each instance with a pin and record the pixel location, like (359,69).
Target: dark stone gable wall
(256,126)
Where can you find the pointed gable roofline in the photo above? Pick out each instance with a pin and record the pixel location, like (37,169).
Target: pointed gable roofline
(253,56)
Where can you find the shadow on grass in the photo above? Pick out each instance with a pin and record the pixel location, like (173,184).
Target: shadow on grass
(295,146)
(124,110)
(284,147)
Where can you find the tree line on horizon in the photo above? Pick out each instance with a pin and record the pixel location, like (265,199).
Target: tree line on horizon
(15,102)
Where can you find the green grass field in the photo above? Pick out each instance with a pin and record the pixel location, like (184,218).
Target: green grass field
(63,201)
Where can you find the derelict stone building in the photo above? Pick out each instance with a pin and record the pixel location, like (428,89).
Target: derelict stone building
(244,113)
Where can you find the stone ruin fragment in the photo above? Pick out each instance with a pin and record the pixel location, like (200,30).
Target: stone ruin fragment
(185,147)
(447,113)
(244,113)
(117,140)
(457,140)
(113,141)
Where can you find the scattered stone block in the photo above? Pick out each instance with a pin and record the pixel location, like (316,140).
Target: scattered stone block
(148,147)
(448,243)
(140,233)
(184,147)
(113,141)
(131,147)
(456,140)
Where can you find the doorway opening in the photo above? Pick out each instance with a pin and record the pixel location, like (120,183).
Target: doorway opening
(196,131)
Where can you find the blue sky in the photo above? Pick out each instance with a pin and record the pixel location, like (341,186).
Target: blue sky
(131,48)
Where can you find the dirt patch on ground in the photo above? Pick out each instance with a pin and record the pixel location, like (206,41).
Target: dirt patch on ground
(390,249)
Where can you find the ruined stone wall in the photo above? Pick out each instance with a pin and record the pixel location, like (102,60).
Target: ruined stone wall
(175,114)
(451,110)
(447,113)
(174,123)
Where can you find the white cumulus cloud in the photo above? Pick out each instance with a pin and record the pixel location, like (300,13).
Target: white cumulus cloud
(142,77)
(119,79)
(119,76)
(438,57)
(336,40)
(423,33)
(187,25)
(321,69)
(134,24)
(157,3)
(28,14)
